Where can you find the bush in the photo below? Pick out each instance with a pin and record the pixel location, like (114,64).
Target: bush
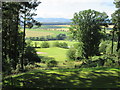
(61,36)
(45,45)
(45,59)
(52,63)
(63,45)
(100,61)
(56,44)
(71,54)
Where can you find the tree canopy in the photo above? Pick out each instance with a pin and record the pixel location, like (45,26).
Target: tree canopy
(86,27)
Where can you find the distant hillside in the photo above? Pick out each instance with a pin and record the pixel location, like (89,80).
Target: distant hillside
(53,20)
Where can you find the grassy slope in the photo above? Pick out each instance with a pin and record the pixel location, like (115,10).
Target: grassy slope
(68,78)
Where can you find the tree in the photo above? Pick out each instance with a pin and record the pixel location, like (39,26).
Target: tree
(116,21)
(27,15)
(86,27)
(13,40)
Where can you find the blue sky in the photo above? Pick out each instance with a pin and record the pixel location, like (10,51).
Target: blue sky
(67,8)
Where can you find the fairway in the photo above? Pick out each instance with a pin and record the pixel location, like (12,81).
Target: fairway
(58,53)
(67,78)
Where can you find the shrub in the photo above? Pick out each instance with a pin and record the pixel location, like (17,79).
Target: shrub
(61,36)
(56,44)
(63,45)
(45,45)
(52,63)
(71,54)
(45,59)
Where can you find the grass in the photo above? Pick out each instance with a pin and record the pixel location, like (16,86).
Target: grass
(58,53)
(67,78)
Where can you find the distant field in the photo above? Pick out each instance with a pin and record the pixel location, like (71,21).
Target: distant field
(41,32)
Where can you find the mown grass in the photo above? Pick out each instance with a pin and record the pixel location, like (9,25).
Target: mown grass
(66,78)
(58,53)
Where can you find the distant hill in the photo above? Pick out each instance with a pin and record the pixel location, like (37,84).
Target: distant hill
(53,20)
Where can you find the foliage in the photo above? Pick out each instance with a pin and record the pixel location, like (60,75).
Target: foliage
(71,54)
(30,56)
(103,46)
(56,44)
(86,29)
(61,36)
(116,21)
(45,45)
(52,63)
(60,44)
(48,37)
(75,52)
(101,61)
(63,45)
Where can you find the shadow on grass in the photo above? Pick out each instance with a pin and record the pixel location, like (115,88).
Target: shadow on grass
(74,79)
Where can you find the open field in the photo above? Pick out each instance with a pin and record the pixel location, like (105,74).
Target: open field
(41,32)
(66,78)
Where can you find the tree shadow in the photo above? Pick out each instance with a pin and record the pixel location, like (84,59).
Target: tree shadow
(75,79)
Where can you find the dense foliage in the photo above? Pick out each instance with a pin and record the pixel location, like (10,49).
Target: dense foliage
(86,29)
(13,39)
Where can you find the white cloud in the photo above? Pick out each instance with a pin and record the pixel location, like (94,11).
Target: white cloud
(66,8)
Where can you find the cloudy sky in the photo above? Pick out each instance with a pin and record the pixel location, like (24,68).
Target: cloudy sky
(66,8)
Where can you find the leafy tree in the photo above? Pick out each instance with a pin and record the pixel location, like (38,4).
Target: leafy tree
(116,20)
(13,40)
(86,27)
(27,15)
(11,37)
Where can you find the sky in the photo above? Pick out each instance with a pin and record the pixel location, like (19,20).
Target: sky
(67,8)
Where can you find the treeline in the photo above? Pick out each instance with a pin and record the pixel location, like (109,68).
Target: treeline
(48,38)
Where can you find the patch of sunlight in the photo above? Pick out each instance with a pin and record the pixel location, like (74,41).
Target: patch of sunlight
(36,77)
(111,72)
(53,72)
(59,78)
(82,76)
(31,73)
(76,82)
(21,84)
(21,79)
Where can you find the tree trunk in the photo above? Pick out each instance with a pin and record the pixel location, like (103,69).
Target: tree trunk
(112,42)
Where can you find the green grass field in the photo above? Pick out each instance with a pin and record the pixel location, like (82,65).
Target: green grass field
(58,53)
(66,78)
